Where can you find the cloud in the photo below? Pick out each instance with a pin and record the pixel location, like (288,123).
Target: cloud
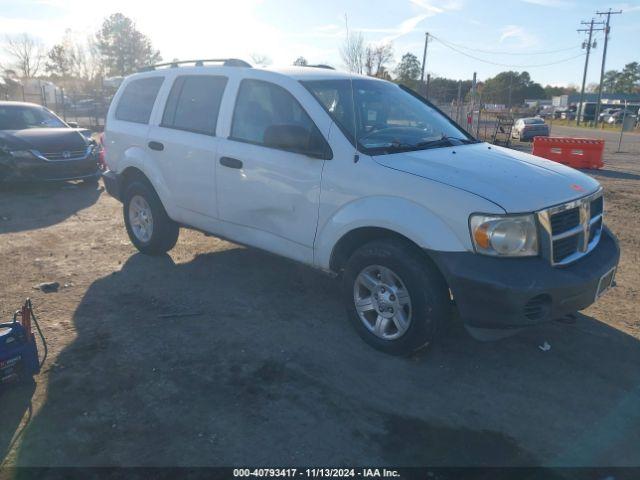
(438,7)
(550,3)
(519,35)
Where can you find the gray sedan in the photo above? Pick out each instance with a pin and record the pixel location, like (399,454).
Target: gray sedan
(526,128)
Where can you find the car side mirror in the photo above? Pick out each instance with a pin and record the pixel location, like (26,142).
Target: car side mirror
(73,124)
(295,138)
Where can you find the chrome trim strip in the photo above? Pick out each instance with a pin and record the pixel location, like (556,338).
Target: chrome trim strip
(41,156)
(568,233)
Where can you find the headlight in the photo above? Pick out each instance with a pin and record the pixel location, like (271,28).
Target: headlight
(23,155)
(504,236)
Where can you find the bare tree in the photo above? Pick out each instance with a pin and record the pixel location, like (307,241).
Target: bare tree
(376,59)
(353,52)
(26,54)
(260,59)
(300,62)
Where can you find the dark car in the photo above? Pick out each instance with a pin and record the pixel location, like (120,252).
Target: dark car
(35,145)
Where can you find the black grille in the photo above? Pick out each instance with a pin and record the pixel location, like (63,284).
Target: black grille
(565,220)
(596,207)
(538,308)
(564,247)
(595,228)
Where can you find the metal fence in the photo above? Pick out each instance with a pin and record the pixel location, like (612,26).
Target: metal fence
(88,110)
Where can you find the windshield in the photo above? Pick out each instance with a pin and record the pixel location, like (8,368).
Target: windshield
(533,121)
(21,117)
(387,119)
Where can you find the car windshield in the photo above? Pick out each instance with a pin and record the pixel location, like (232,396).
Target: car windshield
(533,121)
(21,117)
(383,117)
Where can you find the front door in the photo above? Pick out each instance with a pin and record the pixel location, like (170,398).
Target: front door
(262,183)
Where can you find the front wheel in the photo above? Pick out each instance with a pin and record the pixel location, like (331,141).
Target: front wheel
(396,299)
(148,225)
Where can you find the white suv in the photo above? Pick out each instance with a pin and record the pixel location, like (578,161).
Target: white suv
(363,178)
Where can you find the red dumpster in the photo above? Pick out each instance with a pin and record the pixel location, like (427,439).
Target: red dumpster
(574,152)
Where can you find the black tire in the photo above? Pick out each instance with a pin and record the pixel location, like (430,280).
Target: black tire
(430,301)
(164,233)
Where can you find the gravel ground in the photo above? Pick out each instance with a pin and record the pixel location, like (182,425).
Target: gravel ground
(267,370)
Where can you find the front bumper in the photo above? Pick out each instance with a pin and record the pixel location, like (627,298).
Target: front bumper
(515,292)
(12,170)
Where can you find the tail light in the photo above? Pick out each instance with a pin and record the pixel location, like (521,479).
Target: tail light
(102,164)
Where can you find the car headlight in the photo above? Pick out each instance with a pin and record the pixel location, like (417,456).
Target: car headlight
(504,236)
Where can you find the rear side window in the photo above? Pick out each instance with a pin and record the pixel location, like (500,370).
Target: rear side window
(194,103)
(136,102)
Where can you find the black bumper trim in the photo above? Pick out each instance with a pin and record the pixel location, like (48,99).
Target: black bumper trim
(493,292)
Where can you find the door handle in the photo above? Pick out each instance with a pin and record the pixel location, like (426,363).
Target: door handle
(230,162)
(156,146)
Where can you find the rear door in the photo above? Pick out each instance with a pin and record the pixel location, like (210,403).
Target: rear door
(183,144)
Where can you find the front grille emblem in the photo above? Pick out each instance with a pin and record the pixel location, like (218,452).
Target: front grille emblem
(66,154)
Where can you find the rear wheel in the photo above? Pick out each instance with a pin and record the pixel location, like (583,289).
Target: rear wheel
(396,299)
(148,225)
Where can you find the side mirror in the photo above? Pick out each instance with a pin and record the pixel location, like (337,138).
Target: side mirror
(73,124)
(295,138)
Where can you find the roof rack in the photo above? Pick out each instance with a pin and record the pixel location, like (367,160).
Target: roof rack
(321,65)
(226,62)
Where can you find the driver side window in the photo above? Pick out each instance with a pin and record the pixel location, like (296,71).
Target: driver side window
(267,114)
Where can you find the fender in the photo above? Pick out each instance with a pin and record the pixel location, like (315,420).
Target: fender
(400,215)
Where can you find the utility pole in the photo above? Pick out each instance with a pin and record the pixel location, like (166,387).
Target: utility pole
(588,45)
(604,57)
(426,95)
(424,60)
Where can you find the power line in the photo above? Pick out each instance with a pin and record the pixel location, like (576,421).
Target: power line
(498,52)
(446,44)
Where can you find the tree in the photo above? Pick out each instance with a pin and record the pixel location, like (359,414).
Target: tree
(551,91)
(376,59)
(260,59)
(123,49)
(60,60)
(628,80)
(610,81)
(300,62)
(353,52)
(445,90)
(408,70)
(26,54)
(511,88)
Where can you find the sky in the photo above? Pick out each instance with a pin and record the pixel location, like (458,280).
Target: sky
(535,35)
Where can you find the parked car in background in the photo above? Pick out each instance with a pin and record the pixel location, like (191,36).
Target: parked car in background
(35,144)
(525,129)
(617,116)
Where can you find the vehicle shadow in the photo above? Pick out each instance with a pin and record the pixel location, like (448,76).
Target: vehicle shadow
(30,206)
(242,358)
(15,412)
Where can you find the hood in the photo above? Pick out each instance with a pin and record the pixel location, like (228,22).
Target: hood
(516,181)
(43,139)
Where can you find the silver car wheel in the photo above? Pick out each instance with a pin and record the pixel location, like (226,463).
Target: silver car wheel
(141,218)
(382,302)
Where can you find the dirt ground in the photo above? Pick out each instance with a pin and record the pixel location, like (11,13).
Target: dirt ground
(268,372)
